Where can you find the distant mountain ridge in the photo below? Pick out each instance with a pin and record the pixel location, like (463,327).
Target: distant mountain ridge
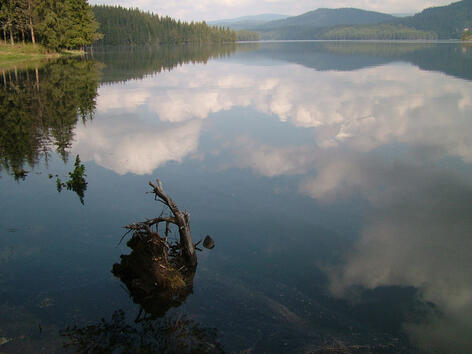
(330,17)
(261,17)
(309,25)
(444,22)
(246,22)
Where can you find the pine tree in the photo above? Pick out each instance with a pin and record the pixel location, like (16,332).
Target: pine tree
(83,27)
(53,23)
(29,15)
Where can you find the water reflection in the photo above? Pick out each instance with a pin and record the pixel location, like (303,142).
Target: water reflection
(123,64)
(366,109)
(158,274)
(342,193)
(40,109)
(174,334)
(159,271)
(417,236)
(451,59)
(126,143)
(385,134)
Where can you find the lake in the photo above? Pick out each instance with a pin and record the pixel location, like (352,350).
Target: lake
(334,177)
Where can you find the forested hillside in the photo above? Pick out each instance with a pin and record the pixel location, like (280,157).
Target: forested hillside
(312,24)
(244,35)
(330,17)
(122,26)
(446,21)
(383,31)
(56,24)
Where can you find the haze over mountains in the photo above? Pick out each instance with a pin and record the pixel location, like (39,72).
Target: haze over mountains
(246,22)
(445,22)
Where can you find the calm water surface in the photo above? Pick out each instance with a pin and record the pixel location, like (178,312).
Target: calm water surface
(335,178)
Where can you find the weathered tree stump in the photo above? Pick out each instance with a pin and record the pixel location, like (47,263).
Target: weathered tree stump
(159,272)
(182,220)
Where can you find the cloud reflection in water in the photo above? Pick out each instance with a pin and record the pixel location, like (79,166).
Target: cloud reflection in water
(363,109)
(419,233)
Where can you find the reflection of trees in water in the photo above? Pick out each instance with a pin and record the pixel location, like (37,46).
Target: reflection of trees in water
(76,181)
(174,334)
(40,109)
(381,49)
(450,58)
(122,64)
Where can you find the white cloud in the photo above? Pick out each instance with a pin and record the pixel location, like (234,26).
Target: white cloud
(361,110)
(418,235)
(124,146)
(121,97)
(271,161)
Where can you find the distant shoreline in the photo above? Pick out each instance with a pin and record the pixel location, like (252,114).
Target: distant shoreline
(359,40)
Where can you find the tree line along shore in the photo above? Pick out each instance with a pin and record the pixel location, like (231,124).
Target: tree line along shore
(35,28)
(56,25)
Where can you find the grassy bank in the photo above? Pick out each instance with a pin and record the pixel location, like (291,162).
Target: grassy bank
(23,55)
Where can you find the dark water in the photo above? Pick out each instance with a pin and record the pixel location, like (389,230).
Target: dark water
(335,178)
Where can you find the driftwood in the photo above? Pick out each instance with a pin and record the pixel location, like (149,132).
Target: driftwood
(182,220)
(177,217)
(159,271)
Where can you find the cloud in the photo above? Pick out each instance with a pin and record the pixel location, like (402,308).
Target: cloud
(364,109)
(360,110)
(219,9)
(270,161)
(121,97)
(123,146)
(418,235)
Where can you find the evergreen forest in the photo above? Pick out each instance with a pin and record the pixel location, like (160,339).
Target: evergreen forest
(383,31)
(244,35)
(121,26)
(443,22)
(56,24)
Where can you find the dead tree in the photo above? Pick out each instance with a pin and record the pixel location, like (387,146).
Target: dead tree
(179,218)
(182,220)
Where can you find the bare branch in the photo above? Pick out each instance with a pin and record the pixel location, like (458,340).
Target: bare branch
(181,219)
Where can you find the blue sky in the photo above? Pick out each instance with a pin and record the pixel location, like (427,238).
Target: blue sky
(219,9)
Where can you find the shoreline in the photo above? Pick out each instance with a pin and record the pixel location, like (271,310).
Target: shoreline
(12,56)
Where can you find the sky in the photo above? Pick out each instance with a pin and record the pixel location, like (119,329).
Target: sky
(197,10)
